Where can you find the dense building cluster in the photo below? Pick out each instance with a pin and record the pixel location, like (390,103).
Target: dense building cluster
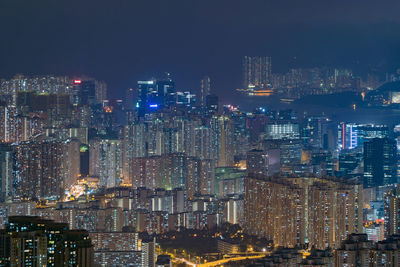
(299,211)
(160,161)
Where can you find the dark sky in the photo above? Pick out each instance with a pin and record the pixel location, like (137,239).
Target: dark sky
(123,41)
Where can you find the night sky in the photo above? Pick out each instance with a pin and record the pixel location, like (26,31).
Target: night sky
(125,41)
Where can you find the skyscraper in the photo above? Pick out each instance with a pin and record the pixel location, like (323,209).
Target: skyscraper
(392,212)
(38,242)
(6,172)
(130,99)
(211,104)
(256,71)
(155,94)
(148,252)
(290,211)
(379,162)
(205,89)
(351,135)
(257,162)
(45,168)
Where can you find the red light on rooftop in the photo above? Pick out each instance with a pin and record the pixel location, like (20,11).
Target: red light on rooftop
(77,81)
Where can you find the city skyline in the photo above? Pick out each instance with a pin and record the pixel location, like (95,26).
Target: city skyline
(199,133)
(206,38)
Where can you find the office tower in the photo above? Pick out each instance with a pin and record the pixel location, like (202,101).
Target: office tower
(166,93)
(100,91)
(266,163)
(349,162)
(205,89)
(257,162)
(347,136)
(291,211)
(113,115)
(256,71)
(6,172)
(352,135)
(256,126)
(315,132)
(147,92)
(148,252)
(87,93)
(370,131)
(153,95)
(212,105)
(380,162)
(282,131)
(38,242)
(289,152)
(130,99)
(185,99)
(355,251)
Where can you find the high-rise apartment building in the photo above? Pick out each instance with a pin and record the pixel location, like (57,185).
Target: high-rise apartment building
(291,211)
(148,252)
(357,250)
(37,242)
(6,172)
(106,161)
(392,212)
(256,71)
(44,169)
(222,127)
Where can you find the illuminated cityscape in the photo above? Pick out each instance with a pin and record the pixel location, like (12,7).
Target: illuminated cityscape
(205,133)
